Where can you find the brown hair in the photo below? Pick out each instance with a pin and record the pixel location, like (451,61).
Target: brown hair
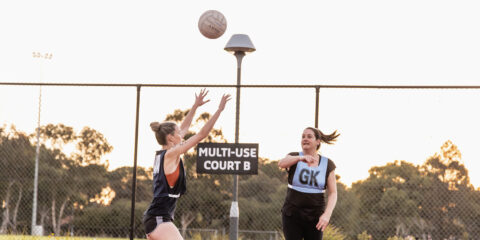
(328,139)
(162,130)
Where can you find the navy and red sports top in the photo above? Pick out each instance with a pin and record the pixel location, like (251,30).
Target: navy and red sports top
(164,197)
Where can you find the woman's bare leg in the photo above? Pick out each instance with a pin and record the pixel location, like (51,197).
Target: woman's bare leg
(165,231)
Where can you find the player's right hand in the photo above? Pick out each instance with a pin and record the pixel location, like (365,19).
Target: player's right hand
(223,102)
(307,159)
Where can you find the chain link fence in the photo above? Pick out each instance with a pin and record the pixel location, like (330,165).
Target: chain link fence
(86,152)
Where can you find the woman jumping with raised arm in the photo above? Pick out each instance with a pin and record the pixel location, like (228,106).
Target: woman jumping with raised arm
(169,181)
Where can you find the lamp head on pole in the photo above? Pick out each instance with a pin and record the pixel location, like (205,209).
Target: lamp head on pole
(239,43)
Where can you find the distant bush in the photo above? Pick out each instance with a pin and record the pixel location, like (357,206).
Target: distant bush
(333,233)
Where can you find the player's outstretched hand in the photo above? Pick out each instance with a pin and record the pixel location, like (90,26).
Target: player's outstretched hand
(223,102)
(199,98)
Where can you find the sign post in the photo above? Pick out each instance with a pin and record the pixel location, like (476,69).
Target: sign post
(227,158)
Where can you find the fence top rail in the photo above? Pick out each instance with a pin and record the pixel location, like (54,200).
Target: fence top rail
(256,231)
(242,86)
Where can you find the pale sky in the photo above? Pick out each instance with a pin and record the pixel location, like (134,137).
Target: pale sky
(298,42)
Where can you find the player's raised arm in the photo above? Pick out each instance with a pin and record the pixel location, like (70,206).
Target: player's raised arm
(203,133)
(199,101)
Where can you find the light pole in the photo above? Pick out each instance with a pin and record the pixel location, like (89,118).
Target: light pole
(38,230)
(239,44)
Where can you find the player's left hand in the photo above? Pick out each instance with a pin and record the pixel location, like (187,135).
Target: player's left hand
(199,99)
(323,222)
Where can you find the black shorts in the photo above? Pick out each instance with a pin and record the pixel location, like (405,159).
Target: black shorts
(295,228)
(151,222)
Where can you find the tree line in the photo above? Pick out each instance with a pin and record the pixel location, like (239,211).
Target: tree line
(79,195)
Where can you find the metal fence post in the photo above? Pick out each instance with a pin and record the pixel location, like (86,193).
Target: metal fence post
(134,178)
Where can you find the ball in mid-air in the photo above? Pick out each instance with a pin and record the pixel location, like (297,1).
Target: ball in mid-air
(212,24)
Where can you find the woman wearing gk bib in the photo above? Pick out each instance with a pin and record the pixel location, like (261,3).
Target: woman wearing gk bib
(168,174)
(304,214)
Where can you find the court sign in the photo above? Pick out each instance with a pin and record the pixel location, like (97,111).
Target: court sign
(227,158)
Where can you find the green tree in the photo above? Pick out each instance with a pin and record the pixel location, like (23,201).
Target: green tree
(56,135)
(389,199)
(364,236)
(333,233)
(91,146)
(112,220)
(346,213)
(81,174)
(51,173)
(16,164)
(120,180)
(432,200)
(449,214)
(260,201)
